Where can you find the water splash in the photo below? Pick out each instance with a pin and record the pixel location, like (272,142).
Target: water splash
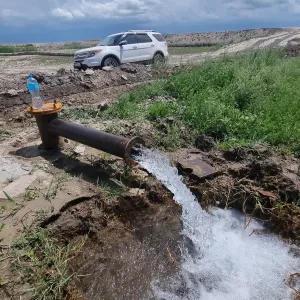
(223,260)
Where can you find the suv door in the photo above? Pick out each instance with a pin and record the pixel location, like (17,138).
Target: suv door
(129,52)
(146,46)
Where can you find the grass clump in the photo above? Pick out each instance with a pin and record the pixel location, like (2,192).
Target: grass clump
(43,263)
(130,106)
(162,109)
(4,134)
(17,48)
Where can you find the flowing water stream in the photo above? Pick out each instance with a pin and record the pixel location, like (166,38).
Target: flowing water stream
(221,259)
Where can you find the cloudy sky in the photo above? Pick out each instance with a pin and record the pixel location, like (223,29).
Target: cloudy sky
(67,20)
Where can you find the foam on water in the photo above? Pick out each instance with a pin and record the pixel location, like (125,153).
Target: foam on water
(222,260)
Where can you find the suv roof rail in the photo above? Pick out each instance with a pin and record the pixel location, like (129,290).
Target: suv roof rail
(141,30)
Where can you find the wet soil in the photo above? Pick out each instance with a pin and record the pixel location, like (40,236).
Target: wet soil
(131,242)
(256,180)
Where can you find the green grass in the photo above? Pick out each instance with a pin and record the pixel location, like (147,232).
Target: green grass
(43,263)
(192,50)
(239,99)
(17,48)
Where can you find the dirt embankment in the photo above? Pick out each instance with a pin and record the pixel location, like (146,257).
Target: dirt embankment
(257,181)
(66,83)
(293,47)
(213,38)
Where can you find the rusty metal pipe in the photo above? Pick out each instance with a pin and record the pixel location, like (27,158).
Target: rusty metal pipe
(113,144)
(51,128)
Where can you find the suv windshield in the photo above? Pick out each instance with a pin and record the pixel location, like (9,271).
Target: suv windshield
(112,40)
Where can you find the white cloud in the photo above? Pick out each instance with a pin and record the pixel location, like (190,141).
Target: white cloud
(77,13)
(149,10)
(59,12)
(9,13)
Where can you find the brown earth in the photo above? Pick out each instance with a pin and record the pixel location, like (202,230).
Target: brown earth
(225,37)
(66,83)
(293,47)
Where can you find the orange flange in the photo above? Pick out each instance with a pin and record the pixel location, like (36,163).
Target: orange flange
(47,109)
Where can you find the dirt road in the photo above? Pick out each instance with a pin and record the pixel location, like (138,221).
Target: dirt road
(277,40)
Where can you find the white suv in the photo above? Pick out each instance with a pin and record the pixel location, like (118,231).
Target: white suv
(128,47)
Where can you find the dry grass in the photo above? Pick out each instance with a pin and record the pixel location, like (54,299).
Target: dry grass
(42,261)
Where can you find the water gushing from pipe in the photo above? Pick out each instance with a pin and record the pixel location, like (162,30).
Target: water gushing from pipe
(221,260)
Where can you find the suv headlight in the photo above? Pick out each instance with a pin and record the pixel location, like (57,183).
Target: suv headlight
(93,53)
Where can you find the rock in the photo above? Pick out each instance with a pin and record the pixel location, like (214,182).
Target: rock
(89,72)
(128,68)
(86,85)
(136,192)
(107,69)
(17,187)
(235,154)
(124,77)
(205,143)
(170,120)
(103,106)
(11,93)
(40,77)
(79,150)
(61,72)
(197,168)
(2,124)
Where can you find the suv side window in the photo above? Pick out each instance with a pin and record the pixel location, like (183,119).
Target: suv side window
(130,38)
(159,37)
(143,38)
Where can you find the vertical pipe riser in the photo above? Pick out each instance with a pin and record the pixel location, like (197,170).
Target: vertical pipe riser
(50,141)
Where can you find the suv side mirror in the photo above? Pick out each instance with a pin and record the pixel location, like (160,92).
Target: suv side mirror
(123,43)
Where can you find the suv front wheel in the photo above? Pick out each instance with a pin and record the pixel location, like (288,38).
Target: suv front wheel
(111,62)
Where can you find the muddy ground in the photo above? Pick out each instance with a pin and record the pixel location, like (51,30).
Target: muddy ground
(126,224)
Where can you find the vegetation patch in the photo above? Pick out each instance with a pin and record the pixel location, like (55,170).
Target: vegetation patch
(237,100)
(17,48)
(4,134)
(42,261)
